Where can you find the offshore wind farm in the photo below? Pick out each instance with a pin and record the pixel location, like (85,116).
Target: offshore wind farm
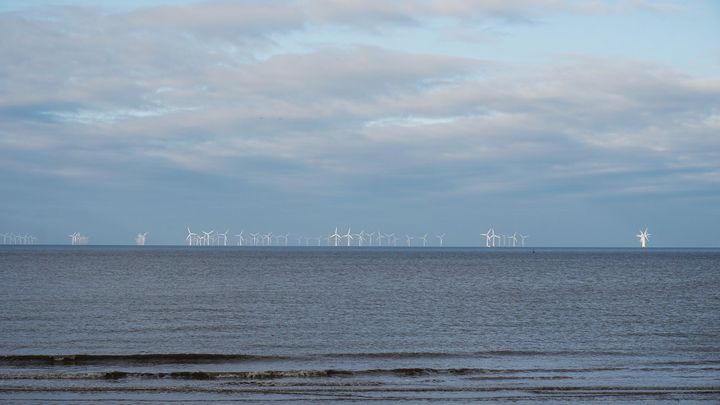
(490,239)
(213,238)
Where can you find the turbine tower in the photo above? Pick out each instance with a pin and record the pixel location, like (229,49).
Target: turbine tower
(440,238)
(644,237)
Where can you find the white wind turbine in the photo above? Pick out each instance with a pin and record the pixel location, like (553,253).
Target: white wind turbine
(409,239)
(644,237)
(140,239)
(267,239)
(514,238)
(489,237)
(424,239)
(241,238)
(336,237)
(494,237)
(349,237)
(74,238)
(254,238)
(441,238)
(225,237)
(371,236)
(522,239)
(380,237)
(208,237)
(360,237)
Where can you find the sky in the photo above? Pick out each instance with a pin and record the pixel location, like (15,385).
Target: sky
(575,122)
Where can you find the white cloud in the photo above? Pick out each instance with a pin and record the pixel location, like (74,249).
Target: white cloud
(182,89)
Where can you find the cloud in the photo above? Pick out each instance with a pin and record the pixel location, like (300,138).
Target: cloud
(178,88)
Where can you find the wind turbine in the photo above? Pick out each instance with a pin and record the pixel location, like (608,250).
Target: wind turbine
(441,237)
(336,236)
(522,239)
(208,237)
(349,237)
(380,237)
(514,238)
(489,235)
(424,239)
(409,239)
(361,237)
(140,239)
(225,238)
(241,239)
(371,236)
(254,238)
(268,237)
(644,237)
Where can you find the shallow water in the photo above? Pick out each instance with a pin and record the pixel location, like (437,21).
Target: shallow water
(227,324)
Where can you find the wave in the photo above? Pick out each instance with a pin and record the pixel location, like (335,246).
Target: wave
(200,358)
(140,359)
(476,373)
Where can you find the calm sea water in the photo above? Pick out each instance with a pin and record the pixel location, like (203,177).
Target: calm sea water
(282,324)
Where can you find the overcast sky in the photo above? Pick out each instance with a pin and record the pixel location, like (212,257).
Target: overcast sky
(576,122)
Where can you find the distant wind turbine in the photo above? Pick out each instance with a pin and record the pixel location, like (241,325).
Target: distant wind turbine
(489,237)
(360,237)
(349,237)
(644,237)
(225,237)
(336,237)
(208,237)
(441,238)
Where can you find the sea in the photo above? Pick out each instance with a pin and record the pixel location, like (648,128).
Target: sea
(286,324)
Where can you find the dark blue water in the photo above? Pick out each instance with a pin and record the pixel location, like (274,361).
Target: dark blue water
(227,324)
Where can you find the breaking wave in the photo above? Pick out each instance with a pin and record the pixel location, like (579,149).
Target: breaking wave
(200,358)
